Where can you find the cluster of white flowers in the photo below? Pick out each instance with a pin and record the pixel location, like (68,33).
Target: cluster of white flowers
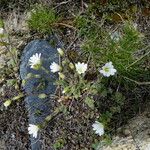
(107,70)
(35,63)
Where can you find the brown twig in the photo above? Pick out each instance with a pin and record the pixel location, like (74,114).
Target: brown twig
(62,3)
(139,83)
(140,57)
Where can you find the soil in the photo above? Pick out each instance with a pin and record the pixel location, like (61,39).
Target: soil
(13,124)
(70,131)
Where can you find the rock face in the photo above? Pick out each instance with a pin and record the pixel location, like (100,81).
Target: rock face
(136,134)
(38,82)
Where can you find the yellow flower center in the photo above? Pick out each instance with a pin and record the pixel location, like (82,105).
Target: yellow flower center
(106,69)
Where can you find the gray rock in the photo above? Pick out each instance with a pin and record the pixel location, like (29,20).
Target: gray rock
(38,108)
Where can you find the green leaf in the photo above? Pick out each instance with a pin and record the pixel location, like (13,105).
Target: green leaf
(104,93)
(89,102)
(11,82)
(38,113)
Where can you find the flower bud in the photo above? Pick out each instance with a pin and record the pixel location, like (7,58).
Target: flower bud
(29,75)
(61,75)
(64,62)
(60,51)
(71,65)
(7,103)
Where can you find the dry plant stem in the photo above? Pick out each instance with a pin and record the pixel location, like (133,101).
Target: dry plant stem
(59,77)
(140,57)
(139,83)
(62,3)
(9,50)
(73,42)
(82,8)
(120,17)
(35,141)
(55,113)
(71,104)
(89,58)
(65,25)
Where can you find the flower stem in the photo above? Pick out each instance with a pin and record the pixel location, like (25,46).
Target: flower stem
(45,70)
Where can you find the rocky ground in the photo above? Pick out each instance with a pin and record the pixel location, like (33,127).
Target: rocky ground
(14,122)
(133,136)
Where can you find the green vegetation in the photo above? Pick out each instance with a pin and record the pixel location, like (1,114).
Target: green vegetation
(9,64)
(100,97)
(59,144)
(43,19)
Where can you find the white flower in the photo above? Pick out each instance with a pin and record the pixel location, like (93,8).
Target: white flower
(55,67)
(35,61)
(108,69)
(33,129)
(7,103)
(81,67)
(1,31)
(115,36)
(60,51)
(98,128)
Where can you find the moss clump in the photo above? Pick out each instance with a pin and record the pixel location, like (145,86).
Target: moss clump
(42,19)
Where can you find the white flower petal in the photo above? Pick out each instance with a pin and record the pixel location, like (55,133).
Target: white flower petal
(33,129)
(81,67)
(98,128)
(108,70)
(55,67)
(35,60)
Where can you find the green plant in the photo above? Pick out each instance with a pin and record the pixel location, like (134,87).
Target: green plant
(59,144)
(43,19)
(9,64)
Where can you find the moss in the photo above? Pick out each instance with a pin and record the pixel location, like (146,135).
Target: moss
(43,19)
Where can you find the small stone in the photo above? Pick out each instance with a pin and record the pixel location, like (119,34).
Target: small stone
(126,132)
(38,85)
(148,115)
